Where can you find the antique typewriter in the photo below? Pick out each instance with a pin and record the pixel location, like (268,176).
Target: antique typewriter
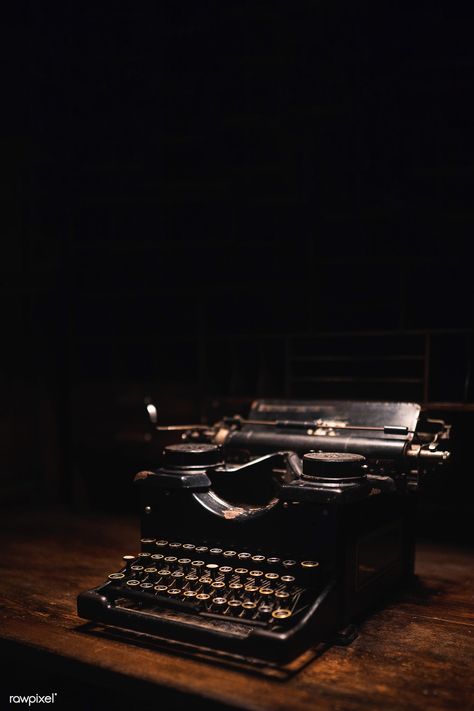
(264,536)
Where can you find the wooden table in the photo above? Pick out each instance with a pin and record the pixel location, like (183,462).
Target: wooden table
(416,653)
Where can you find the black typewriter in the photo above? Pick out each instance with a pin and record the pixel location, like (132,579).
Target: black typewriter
(264,536)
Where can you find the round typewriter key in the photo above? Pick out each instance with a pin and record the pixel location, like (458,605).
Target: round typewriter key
(197,563)
(249,605)
(241,571)
(191,577)
(174,591)
(244,556)
(161,544)
(225,569)
(234,603)
(188,546)
(175,545)
(272,576)
(177,574)
(202,596)
(157,556)
(150,570)
(256,573)
(160,588)
(258,558)
(219,601)
(133,583)
(136,568)
(116,576)
(289,563)
(128,558)
(144,555)
(251,588)
(170,559)
(206,580)
(189,593)
(282,595)
(236,586)
(202,549)
(266,591)
(265,609)
(309,564)
(281,614)
(184,561)
(147,541)
(230,554)
(273,561)
(287,579)
(215,551)
(164,573)
(218,584)
(146,586)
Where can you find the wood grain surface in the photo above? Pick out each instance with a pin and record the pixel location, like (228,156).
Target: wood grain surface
(415,652)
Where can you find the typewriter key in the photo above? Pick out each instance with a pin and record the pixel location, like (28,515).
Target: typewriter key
(309,564)
(272,576)
(157,556)
(236,586)
(244,556)
(281,614)
(174,591)
(161,544)
(164,572)
(202,596)
(215,551)
(146,586)
(287,579)
(206,580)
(251,588)
(150,570)
(189,546)
(133,583)
(218,584)
(258,558)
(177,574)
(128,558)
(116,576)
(266,591)
(191,577)
(148,542)
(249,605)
(230,554)
(144,555)
(170,559)
(202,549)
(265,608)
(198,563)
(175,545)
(184,561)
(219,601)
(256,573)
(282,595)
(160,588)
(225,569)
(189,593)
(234,603)
(241,571)
(212,566)
(136,568)
(289,563)
(273,561)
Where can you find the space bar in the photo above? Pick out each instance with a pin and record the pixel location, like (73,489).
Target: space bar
(157,600)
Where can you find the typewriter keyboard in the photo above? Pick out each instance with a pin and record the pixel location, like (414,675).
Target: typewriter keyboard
(248,587)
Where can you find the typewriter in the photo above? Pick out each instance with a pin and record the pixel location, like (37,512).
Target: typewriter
(261,537)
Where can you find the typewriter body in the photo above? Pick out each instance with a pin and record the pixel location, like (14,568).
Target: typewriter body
(261,537)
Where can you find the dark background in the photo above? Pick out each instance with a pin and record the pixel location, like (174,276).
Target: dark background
(218,201)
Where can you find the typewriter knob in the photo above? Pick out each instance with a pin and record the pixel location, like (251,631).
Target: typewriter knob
(332,465)
(192,456)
